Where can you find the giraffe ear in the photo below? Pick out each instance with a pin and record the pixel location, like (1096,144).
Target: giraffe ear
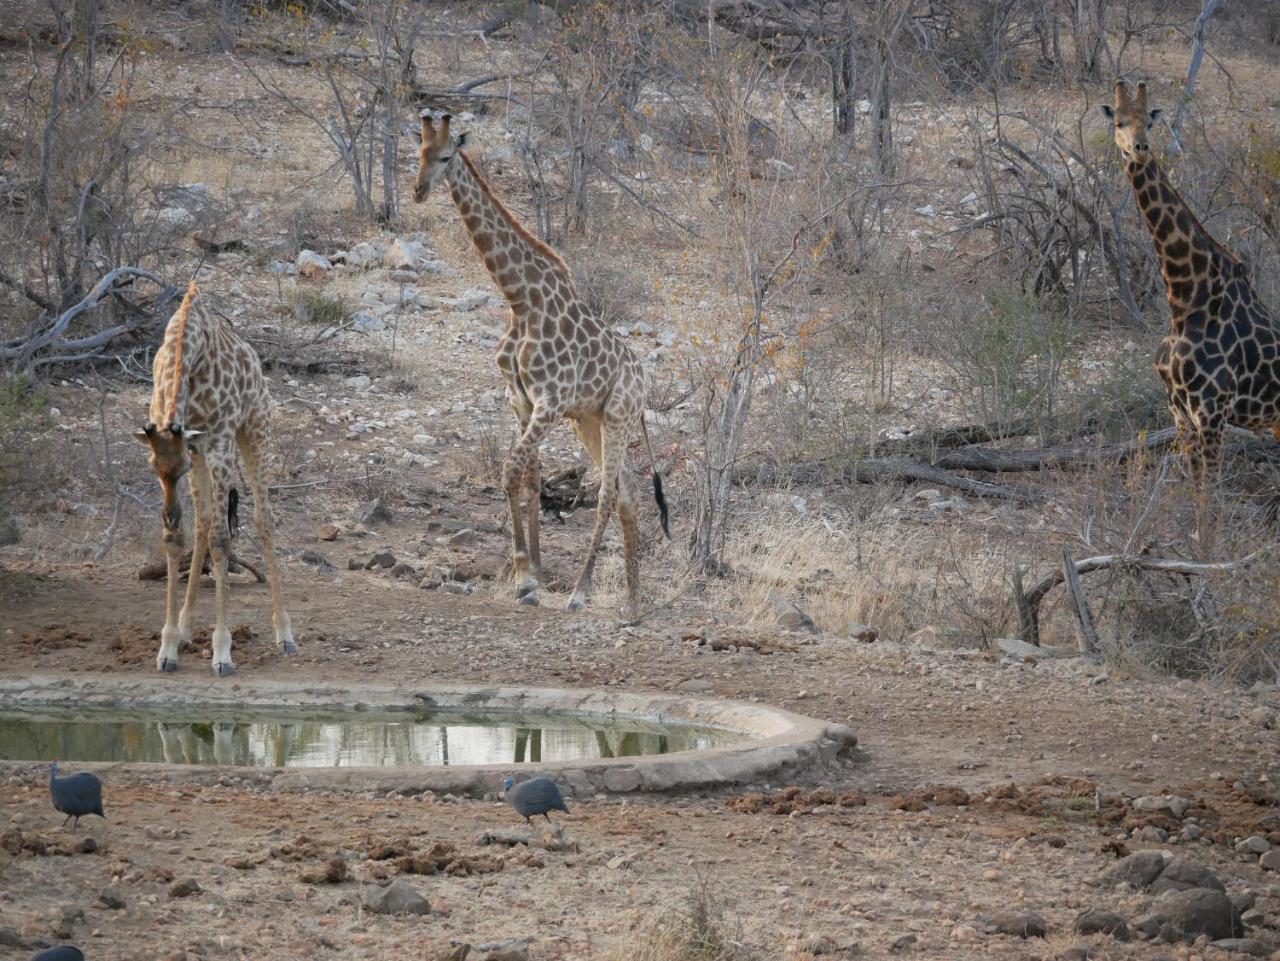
(143,437)
(1107,111)
(1155,115)
(190,434)
(463,139)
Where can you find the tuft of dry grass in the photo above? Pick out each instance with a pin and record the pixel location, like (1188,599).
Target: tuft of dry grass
(695,930)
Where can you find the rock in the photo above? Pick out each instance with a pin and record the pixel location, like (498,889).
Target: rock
(863,632)
(903,942)
(1264,717)
(398,897)
(463,537)
(1270,861)
(1175,805)
(312,265)
(619,862)
(1150,834)
(9,938)
(374,512)
(327,532)
(1253,845)
(184,888)
(363,256)
(382,559)
(404,254)
(467,301)
(788,616)
(368,323)
(1016,647)
(1022,924)
(929,495)
(10,533)
(358,562)
(1200,911)
(517,949)
(1138,869)
(928,210)
(694,686)
(1182,874)
(404,569)
(1101,922)
(333,871)
(175,217)
(1250,946)
(315,559)
(111,899)
(357,381)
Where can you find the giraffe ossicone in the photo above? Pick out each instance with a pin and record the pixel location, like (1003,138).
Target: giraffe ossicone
(559,361)
(1220,363)
(208,387)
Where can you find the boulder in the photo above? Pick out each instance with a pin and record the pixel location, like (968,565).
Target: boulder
(1183,874)
(1200,911)
(1101,922)
(404,254)
(312,265)
(787,615)
(1138,869)
(398,897)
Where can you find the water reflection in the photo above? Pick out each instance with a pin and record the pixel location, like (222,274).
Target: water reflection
(367,739)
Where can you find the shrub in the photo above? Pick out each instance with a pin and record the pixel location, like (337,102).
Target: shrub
(316,307)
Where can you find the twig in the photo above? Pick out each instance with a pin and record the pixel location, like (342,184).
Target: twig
(1087,633)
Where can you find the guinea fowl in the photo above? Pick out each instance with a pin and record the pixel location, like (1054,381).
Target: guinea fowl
(75,795)
(63,952)
(538,795)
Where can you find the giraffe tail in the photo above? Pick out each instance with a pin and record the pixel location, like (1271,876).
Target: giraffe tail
(657,482)
(233,512)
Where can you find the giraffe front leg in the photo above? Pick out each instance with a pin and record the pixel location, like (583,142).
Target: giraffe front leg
(514,471)
(199,480)
(533,510)
(1208,471)
(628,509)
(167,657)
(219,552)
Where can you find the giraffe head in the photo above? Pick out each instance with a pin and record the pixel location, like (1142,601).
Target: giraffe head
(436,153)
(170,459)
(1131,121)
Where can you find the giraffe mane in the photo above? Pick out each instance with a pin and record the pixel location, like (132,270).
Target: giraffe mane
(176,333)
(521,230)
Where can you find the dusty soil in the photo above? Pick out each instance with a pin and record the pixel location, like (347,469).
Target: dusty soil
(1073,741)
(989,783)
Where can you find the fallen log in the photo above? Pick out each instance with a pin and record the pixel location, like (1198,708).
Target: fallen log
(876,471)
(235,564)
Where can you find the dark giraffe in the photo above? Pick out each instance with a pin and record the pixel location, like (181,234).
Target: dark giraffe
(559,361)
(1221,362)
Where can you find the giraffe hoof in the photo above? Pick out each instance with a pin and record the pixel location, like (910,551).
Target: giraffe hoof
(289,647)
(524,590)
(577,605)
(224,670)
(167,665)
(527,600)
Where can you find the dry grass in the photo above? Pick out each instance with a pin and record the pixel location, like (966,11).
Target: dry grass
(693,930)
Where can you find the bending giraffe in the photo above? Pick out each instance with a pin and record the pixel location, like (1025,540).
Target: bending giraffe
(559,361)
(209,397)
(1221,363)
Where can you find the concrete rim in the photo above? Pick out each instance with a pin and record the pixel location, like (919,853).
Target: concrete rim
(777,743)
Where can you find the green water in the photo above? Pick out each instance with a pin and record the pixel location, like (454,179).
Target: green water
(364,739)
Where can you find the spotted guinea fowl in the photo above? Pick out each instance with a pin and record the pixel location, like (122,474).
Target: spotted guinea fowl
(75,795)
(538,795)
(63,952)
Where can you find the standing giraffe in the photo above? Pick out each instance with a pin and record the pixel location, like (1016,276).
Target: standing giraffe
(209,396)
(559,361)
(1221,363)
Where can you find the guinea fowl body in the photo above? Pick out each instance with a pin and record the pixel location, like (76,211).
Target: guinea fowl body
(75,795)
(538,795)
(63,952)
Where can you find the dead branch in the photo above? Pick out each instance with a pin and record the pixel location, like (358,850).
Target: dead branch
(160,571)
(878,471)
(1087,633)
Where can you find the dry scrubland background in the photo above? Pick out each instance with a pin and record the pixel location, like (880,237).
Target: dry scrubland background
(835,231)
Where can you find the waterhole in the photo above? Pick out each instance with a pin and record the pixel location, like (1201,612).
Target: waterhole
(386,738)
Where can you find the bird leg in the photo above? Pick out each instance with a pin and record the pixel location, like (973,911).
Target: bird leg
(68,818)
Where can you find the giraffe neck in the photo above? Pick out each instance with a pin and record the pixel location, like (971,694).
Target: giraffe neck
(515,259)
(1193,264)
(185,338)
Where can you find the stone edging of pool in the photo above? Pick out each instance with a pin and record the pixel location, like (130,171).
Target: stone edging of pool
(778,744)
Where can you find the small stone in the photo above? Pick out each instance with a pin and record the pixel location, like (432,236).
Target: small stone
(1150,834)
(1101,922)
(463,537)
(1253,845)
(1021,924)
(863,632)
(694,685)
(788,616)
(903,942)
(111,899)
(327,532)
(404,569)
(382,559)
(1175,805)
(314,558)
(398,897)
(964,932)
(517,949)
(1138,869)
(1250,946)
(333,871)
(404,254)
(619,862)
(1270,861)
(374,512)
(184,888)
(312,265)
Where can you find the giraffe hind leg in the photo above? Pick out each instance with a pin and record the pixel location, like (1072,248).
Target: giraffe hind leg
(610,466)
(251,440)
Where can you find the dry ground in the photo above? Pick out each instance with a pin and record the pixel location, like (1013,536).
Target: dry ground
(424,433)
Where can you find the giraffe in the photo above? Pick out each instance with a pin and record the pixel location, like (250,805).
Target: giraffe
(558,360)
(209,397)
(1221,362)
